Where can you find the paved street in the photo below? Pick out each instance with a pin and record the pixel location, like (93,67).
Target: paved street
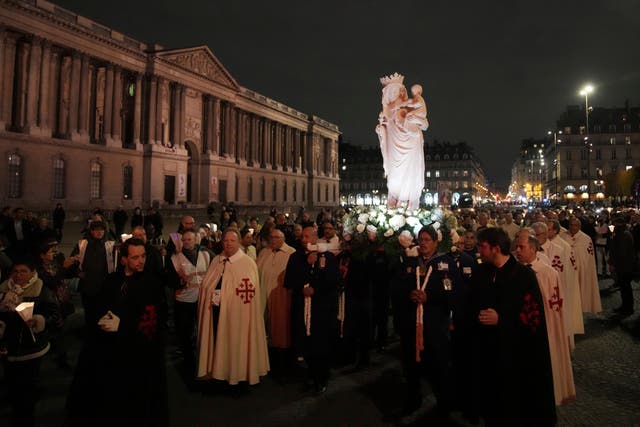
(605,365)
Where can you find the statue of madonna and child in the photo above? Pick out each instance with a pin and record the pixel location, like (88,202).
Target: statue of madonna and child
(400,126)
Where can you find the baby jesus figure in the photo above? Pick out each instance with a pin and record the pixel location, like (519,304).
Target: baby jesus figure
(416,109)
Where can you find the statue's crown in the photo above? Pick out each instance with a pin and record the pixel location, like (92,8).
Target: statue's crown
(393,78)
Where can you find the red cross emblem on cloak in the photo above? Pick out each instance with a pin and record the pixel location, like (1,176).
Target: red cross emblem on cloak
(557,263)
(148,321)
(590,248)
(573,261)
(555,303)
(246,290)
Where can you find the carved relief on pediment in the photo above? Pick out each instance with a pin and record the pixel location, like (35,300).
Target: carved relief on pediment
(201,63)
(193,129)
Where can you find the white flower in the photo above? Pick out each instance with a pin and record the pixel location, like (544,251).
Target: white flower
(381,218)
(363,218)
(405,238)
(396,222)
(388,233)
(413,221)
(400,210)
(371,229)
(372,213)
(416,229)
(439,236)
(436,225)
(360,228)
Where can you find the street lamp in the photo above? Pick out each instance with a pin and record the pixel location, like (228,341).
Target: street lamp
(585,92)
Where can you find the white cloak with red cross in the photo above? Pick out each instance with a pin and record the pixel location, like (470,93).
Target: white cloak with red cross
(237,350)
(549,282)
(587,274)
(560,256)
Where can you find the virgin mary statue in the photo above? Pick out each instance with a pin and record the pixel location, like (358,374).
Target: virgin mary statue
(400,126)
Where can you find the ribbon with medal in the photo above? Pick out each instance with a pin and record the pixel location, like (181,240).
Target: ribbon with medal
(420,312)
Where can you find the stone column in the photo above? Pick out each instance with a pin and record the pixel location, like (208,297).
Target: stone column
(161,132)
(54,91)
(22,77)
(175,114)
(7,80)
(216,127)
(183,108)
(108,104)
(43,100)
(233,146)
(74,98)
(85,96)
(207,131)
(33,86)
(137,112)
(151,118)
(116,127)
(63,97)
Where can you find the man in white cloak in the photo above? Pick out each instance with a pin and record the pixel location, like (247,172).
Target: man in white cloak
(585,260)
(232,344)
(563,386)
(560,261)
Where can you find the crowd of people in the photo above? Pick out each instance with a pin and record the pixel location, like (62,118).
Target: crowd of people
(490,323)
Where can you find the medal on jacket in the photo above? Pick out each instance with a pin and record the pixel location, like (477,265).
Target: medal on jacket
(447,284)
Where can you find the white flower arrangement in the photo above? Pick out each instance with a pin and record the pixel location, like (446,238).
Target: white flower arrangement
(386,226)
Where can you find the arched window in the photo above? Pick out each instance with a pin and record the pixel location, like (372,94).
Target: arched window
(465,156)
(14,169)
(446,157)
(95,180)
(59,174)
(436,157)
(127,182)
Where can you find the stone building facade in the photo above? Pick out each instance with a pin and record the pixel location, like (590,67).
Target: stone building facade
(90,117)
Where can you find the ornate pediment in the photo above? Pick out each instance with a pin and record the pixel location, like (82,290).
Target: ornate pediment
(199,60)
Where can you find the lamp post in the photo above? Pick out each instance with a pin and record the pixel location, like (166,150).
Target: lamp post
(585,92)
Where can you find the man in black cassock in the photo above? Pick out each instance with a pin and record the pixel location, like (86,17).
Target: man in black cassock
(435,358)
(320,272)
(120,379)
(512,379)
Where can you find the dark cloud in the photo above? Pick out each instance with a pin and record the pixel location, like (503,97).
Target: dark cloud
(493,72)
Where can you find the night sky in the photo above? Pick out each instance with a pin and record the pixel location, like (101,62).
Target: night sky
(493,72)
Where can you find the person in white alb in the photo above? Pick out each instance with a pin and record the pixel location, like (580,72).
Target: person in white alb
(561,262)
(549,282)
(586,262)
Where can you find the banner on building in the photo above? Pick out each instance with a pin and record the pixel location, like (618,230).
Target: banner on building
(182,185)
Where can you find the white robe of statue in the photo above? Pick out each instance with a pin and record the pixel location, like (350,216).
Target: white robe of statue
(401,143)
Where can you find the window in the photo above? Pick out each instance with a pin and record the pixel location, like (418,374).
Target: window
(628,153)
(568,155)
(612,129)
(627,140)
(465,156)
(274,190)
(465,173)
(612,140)
(627,127)
(284,190)
(250,189)
(583,172)
(569,172)
(455,156)
(437,174)
(295,191)
(263,192)
(58,179)
(15,176)
(428,174)
(583,154)
(127,182)
(436,157)
(465,184)
(326,193)
(613,154)
(614,169)
(598,154)
(455,174)
(446,157)
(95,181)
